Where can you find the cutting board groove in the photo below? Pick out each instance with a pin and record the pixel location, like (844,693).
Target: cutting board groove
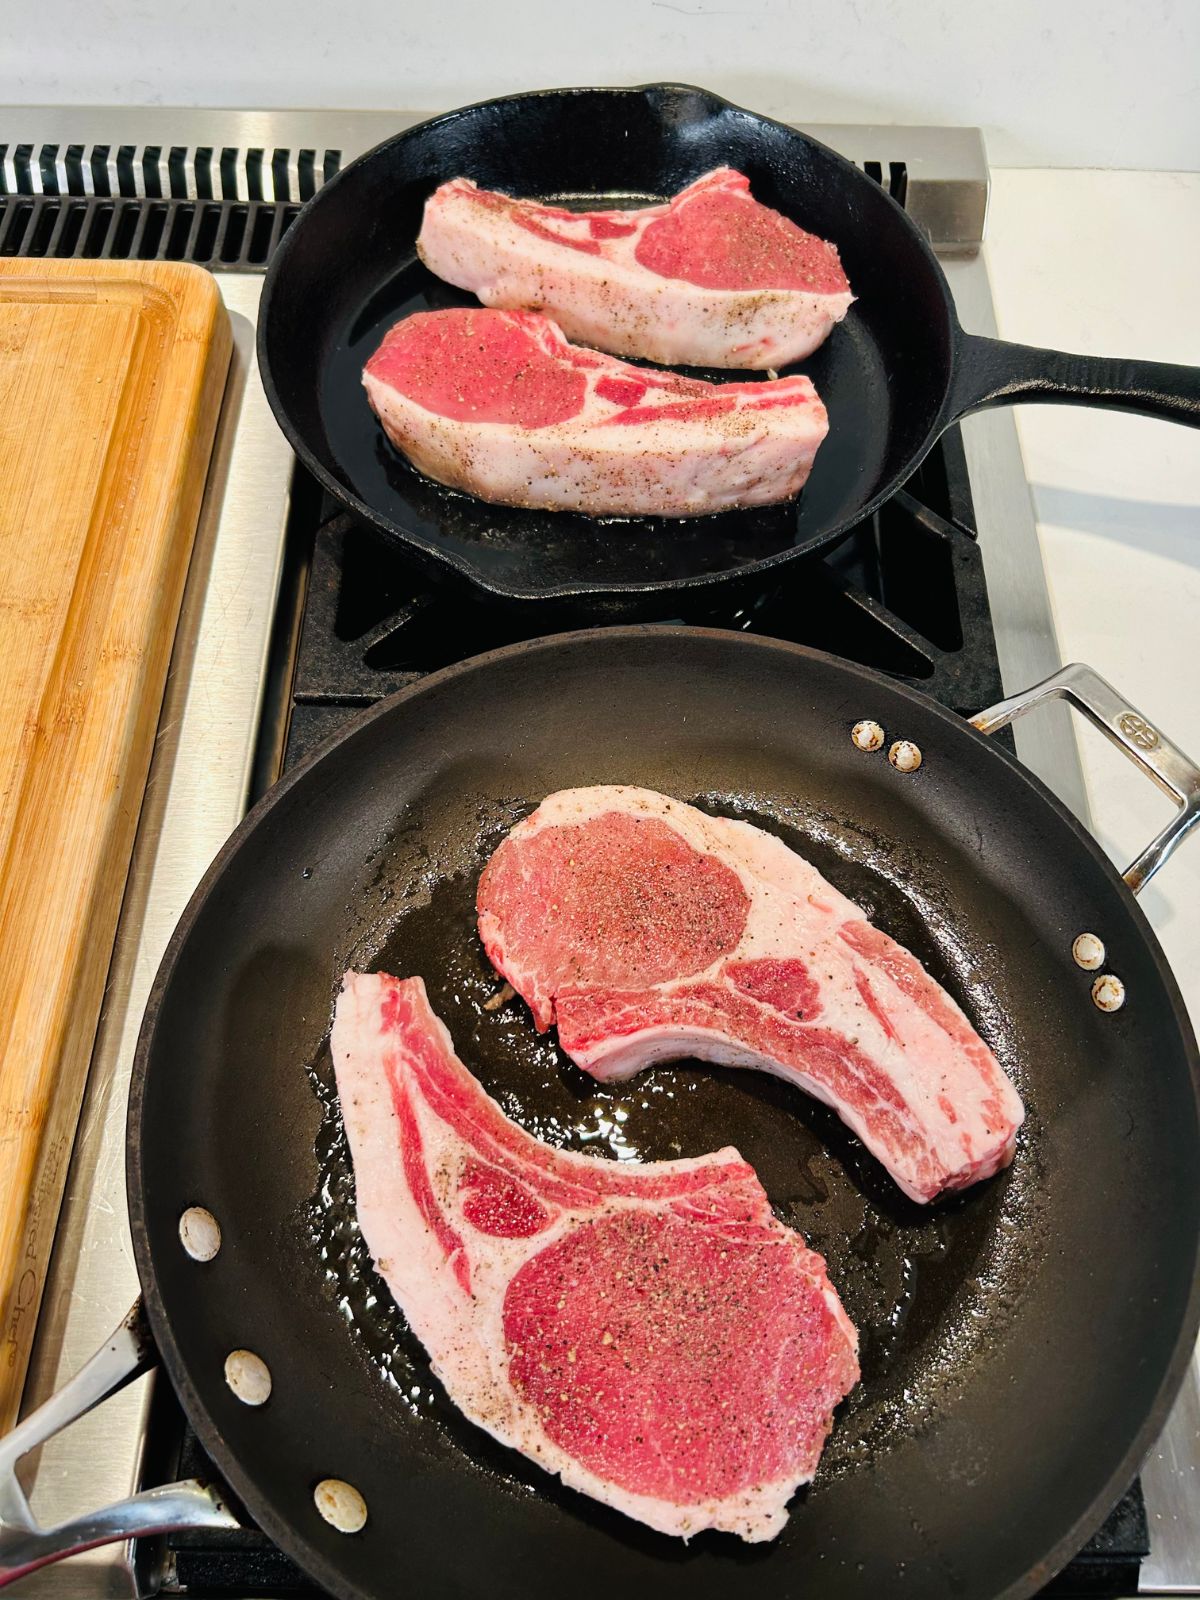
(111,378)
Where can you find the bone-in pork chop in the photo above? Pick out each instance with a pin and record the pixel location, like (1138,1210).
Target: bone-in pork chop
(649,1332)
(500,404)
(649,931)
(712,279)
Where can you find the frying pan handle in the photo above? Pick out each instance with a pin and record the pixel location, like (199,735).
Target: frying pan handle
(1174,773)
(24,1544)
(991,372)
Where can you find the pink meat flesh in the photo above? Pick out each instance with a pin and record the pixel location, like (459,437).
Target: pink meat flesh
(711,279)
(716,235)
(499,403)
(649,931)
(648,1331)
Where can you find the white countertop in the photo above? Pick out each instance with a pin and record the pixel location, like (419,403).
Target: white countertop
(1105,262)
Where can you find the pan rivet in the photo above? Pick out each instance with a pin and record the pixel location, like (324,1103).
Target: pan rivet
(340,1504)
(867,735)
(1088,951)
(248,1376)
(199,1233)
(1108,992)
(904,756)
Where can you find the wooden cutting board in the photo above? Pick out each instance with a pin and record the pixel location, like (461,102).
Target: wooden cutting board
(111,375)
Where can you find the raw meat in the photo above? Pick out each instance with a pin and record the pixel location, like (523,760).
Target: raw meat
(498,403)
(649,931)
(713,279)
(650,1332)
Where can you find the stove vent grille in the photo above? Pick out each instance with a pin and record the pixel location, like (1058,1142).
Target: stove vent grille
(157,172)
(225,209)
(225,236)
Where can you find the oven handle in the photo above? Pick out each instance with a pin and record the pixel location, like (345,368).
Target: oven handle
(1175,773)
(24,1544)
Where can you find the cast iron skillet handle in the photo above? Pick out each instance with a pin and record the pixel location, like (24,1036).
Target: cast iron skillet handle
(991,372)
(24,1545)
(1174,773)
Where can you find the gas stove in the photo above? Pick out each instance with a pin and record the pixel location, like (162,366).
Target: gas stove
(295,617)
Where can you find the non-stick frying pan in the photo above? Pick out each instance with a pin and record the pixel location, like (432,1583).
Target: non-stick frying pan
(893,376)
(1021,1343)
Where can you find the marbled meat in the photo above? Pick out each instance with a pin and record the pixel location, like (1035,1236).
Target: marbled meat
(648,1331)
(650,931)
(711,279)
(499,403)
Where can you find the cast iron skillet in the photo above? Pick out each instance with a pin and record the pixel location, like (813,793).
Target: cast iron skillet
(893,376)
(1021,1344)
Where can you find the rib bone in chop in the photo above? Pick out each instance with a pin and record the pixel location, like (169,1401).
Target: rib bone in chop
(649,931)
(650,1332)
(498,403)
(712,279)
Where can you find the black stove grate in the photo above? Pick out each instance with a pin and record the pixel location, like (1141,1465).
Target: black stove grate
(904,593)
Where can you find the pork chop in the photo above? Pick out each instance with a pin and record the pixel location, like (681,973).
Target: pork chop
(712,279)
(498,403)
(649,931)
(648,1331)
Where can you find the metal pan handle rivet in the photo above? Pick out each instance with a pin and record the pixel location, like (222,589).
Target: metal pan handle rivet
(341,1505)
(867,735)
(248,1376)
(1089,952)
(905,756)
(1108,992)
(199,1233)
